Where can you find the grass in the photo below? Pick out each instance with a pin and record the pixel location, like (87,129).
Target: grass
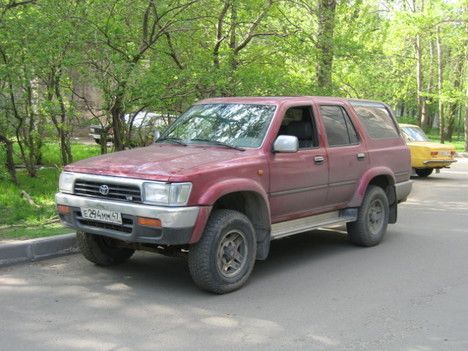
(51,153)
(458,143)
(21,220)
(33,232)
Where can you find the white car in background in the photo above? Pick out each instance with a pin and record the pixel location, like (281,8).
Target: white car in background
(140,126)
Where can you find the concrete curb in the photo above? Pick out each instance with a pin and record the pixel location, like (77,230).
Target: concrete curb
(37,249)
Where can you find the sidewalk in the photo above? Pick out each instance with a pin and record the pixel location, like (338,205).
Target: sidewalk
(16,251)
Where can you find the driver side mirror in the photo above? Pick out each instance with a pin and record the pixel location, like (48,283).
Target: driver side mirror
(286,143)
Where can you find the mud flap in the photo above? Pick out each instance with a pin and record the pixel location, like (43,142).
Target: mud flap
(263,244)
(393,204)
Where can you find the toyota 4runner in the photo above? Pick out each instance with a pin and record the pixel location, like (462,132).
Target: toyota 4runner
(232,174)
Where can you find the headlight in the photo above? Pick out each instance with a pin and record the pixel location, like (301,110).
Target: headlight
(66,182)
(175,194)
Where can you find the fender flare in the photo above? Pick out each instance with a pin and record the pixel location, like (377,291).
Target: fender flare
(366,178)
(228,186)
(225,187)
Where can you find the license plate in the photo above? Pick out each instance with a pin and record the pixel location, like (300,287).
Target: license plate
(100,215)
(444,153)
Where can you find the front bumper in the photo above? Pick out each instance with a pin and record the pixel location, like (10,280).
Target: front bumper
(403,189)
(177,223)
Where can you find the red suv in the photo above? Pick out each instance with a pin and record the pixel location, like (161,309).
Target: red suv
(232,174)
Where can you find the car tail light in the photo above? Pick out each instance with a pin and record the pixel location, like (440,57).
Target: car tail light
(434,153)
(452,153)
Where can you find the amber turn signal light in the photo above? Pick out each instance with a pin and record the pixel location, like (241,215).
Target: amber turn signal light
(434,153)
(149,222)
(62,209)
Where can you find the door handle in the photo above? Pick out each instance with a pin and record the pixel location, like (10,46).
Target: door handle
(361,156)
(319,159)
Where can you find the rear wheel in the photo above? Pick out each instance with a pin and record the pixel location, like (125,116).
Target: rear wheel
(371,224)
(102,250)
(224,257)
(424,172)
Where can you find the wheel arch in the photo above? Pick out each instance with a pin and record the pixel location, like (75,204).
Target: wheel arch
(382,177)
(247,197)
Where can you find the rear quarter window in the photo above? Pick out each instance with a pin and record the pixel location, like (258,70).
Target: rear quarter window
(376,120)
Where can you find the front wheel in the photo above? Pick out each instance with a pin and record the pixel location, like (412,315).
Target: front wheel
(224,257)
(371,224)
(102,250)
(424,172)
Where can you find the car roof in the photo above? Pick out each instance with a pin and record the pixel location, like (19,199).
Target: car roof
(277,100)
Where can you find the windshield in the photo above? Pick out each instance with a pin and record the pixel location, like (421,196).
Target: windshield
(239,125)
(414,134)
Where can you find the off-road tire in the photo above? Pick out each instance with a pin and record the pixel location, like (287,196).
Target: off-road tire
(203,257)
(101,250)
(364,231)
(424,172)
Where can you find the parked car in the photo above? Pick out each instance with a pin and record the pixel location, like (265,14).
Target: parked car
(425,154)
(142,126)
(232,174)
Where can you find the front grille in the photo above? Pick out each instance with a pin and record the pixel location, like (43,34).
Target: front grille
(125,227)
(123,192)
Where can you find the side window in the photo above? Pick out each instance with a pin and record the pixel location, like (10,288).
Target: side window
(298,121)
(377,121)
(338,126)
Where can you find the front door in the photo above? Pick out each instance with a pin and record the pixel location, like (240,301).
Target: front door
(298,181)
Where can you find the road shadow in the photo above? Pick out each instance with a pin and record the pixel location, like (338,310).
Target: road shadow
(171,274)
(304,248)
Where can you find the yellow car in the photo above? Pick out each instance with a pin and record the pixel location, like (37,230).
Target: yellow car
(426,155)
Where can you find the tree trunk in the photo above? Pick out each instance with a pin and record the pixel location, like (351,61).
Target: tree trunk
(9,163)
(326,27)
(117,111)
(466,120)
(402,109)
(230,90)
(422,108)
(439,87)
(453,107)
(64,133)
(427,120)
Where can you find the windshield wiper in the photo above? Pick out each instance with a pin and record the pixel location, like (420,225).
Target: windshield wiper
(172,140)
(221,143)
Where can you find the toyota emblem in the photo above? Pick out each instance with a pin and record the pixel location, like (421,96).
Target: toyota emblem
(104,189)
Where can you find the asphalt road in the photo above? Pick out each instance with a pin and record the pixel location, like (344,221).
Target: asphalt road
(315,292)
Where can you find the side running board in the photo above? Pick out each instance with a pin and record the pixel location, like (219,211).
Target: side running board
(295,226)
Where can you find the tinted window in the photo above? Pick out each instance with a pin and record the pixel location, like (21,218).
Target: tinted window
(377,120)
(298,121)
(338,126)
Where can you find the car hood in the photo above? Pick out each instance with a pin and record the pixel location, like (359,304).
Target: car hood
(158,162)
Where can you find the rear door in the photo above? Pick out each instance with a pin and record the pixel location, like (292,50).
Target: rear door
(386,146)
(347,154)
(298,181)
